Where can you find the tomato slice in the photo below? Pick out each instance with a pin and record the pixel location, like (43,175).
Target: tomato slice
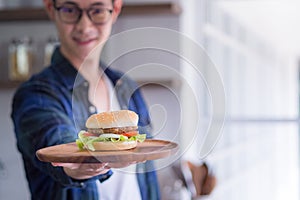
(130,134)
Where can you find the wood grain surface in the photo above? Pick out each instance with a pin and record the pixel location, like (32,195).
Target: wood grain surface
(69,153)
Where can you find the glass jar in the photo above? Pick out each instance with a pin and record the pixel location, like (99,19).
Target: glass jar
(20,59)
(50,46)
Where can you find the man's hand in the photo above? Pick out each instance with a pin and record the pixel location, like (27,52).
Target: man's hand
(203,181)
(81,171)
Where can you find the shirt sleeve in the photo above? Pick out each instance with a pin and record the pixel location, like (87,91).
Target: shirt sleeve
(41,117)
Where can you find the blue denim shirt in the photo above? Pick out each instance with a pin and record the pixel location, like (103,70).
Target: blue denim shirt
(50,109)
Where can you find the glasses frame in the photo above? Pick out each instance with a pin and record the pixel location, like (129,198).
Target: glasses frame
(87,11)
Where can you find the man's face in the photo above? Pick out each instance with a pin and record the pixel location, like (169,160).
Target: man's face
(79,38)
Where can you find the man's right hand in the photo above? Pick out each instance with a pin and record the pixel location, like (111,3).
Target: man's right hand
(81,171)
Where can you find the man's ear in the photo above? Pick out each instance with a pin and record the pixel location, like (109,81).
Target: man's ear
(117,7)
(49,8)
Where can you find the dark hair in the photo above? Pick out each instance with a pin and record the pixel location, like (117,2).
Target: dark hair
(111,0)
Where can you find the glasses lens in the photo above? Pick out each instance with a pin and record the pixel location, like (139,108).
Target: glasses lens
(99,15)
(69,13)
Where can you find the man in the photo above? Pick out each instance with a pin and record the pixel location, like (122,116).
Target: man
(45,108)
(52,106)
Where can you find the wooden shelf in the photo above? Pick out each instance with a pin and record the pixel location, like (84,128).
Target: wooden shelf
(39,14)
(151,9)
(7,84)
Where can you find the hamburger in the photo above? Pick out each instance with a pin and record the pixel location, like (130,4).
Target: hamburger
(108,131)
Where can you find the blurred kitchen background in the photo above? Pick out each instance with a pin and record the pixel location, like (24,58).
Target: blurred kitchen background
(254,44)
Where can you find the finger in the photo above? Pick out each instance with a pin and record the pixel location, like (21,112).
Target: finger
(55,164)
(94,166)
(95,172)
(101,165)
(68,165)
(120,165)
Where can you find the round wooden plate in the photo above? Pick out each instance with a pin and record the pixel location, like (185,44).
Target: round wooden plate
(69,153)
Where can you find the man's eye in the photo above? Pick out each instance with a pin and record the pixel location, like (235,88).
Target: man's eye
(68,10)
(96,11)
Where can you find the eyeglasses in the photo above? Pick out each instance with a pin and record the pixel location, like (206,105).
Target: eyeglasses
(70,13)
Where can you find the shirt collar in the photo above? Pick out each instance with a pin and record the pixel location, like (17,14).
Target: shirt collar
(67,72)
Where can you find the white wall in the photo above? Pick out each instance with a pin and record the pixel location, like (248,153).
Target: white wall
(260,138)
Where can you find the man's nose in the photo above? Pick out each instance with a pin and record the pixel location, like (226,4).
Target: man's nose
(84,22)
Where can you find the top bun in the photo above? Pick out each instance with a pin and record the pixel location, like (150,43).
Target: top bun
(121,118)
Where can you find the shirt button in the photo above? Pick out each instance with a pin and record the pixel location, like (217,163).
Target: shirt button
(81,184)
(92,109)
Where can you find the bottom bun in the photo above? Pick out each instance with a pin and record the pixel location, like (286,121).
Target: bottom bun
(114,146)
